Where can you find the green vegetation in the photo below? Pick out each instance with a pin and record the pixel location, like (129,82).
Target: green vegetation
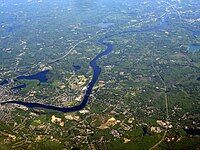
(148,80)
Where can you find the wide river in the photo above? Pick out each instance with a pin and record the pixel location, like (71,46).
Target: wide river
(96,72)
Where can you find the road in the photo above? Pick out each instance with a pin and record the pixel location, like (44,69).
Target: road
(166,106)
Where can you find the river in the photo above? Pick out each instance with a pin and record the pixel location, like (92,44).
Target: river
(96,73)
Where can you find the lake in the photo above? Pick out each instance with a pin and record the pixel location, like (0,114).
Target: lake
(193,47)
